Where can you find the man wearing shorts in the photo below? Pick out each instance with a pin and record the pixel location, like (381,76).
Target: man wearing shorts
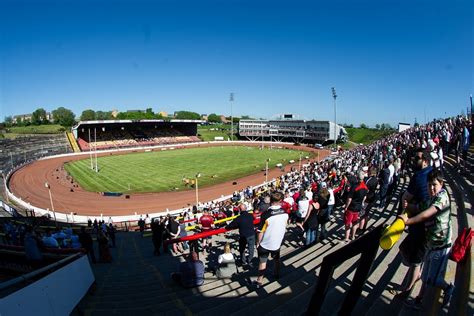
(271,232)
(437,222)
(354,202)
(207,222)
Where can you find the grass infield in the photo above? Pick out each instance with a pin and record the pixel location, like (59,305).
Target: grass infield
(159,171)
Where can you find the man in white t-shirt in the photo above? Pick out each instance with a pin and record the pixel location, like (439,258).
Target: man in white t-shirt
(271,232)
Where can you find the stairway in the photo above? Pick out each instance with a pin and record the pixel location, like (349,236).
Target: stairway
(138,282)
(72,142)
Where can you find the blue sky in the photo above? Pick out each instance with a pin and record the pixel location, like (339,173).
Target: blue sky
(389,61)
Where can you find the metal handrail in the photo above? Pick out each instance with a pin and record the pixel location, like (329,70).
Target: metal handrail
(33,274)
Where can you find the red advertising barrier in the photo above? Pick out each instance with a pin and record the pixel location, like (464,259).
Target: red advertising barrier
(204,234)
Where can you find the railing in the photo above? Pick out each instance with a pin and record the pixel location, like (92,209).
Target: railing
(81,219)
(72,141)
(204,234)
(367,247)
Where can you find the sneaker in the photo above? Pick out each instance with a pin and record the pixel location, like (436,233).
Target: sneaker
(448,294)
(414,303)
(257,284)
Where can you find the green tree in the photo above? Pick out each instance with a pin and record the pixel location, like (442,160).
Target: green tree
(246,117)
(149,114)
(377,126)
(63,116)
(363,126)
(88,115)
(187,115)
(38,117)
(214,118)
(101,115)
(8,121)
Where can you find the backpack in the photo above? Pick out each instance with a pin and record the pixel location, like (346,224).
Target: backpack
(461,245)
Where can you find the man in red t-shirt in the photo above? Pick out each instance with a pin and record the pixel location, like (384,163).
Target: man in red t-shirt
(207,222)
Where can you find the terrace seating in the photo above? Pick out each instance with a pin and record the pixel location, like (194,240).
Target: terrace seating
(21,149)
(124,143)
(139,277)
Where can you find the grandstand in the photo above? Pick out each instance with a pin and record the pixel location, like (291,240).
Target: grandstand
(111,134)
(289,129)
(19,150)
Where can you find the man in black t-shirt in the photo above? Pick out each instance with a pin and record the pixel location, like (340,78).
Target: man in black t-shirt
(355,200)
(244,222)
(371,182)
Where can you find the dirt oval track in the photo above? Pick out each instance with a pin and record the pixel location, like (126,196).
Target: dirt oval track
(28,183)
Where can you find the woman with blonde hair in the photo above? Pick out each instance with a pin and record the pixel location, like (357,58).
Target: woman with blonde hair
(226,261)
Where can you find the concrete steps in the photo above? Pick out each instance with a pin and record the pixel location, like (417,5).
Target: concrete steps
(138,282)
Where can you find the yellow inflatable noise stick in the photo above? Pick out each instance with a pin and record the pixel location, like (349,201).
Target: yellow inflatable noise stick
(392,234)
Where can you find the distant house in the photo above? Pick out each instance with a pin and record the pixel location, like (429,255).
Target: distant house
(224,119)
(114,113)
(163,113)
(204,117)
(21,118)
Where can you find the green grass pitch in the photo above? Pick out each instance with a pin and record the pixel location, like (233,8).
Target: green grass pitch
(159,171)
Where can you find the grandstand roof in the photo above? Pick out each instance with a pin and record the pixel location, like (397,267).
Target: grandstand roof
(136,121)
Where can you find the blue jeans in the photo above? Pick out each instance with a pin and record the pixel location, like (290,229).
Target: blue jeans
(311,236)
(246,242)
(330,208)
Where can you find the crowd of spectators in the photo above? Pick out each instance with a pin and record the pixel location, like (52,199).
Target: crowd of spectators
(361,182)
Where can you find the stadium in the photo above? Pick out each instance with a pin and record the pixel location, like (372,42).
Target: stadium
(194,158)
(88,174)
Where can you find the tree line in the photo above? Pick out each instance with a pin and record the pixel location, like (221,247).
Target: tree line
(382,127)
(66,118)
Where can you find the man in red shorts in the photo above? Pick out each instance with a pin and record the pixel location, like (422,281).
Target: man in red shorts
(355,200)
(207,222)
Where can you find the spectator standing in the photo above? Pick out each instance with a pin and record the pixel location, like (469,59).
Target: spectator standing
(310,222)
(412,247)
(104,252)
(384,178)
(86,242)
(264,204)
(465,142)
(207,222)
(371,183)
(323,214)
(141,224)
(436,219)
(111,233)
(244,223)
(271,232)
(157,230)
(355,200)
(147,222)
(175,230)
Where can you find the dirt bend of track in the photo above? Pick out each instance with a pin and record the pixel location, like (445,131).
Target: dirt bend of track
(28,183)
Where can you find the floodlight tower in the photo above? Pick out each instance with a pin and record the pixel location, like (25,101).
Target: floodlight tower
(231,99)
(334,95)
